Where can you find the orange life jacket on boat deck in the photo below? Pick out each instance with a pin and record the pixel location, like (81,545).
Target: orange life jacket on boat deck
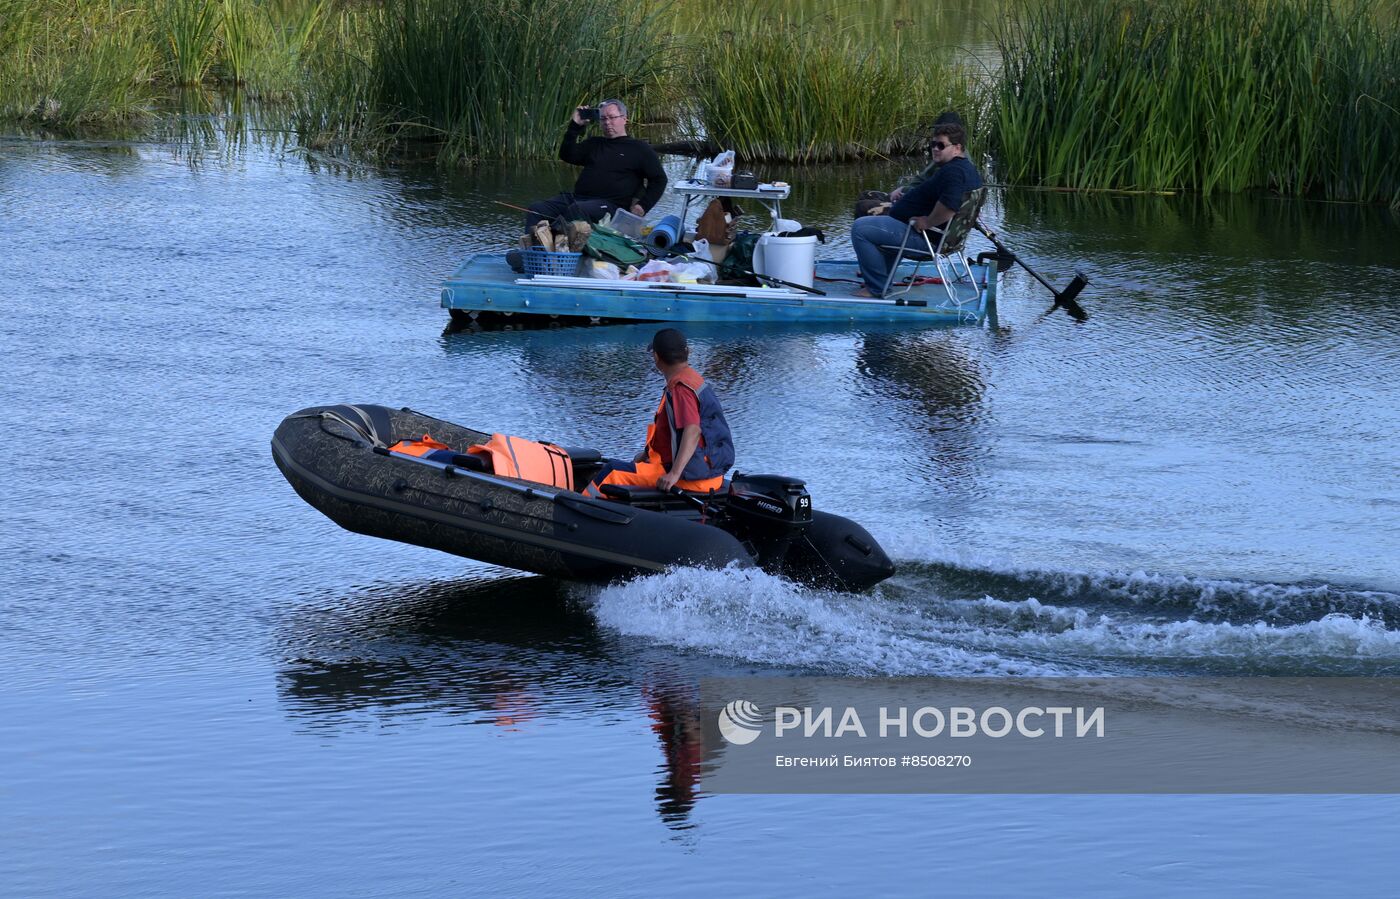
(515,457)
(419,448)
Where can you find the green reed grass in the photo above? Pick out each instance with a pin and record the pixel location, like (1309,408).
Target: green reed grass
(74,62)
(67,63)
(240,38)
(334,109)
(772,87)
(496,78)
(1298,96)
(192,35)
(264,43)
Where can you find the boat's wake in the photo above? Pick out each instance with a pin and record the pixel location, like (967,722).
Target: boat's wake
(1147,593)
(746,614)
(951,619)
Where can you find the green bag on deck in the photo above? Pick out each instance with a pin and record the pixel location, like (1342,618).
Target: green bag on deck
(610,246)
(738,262)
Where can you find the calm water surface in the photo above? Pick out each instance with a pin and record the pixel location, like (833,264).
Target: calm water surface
(209,689)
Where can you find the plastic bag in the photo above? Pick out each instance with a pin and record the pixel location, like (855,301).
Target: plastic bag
(605,270)
(693,273)
(656,270)
(721,171)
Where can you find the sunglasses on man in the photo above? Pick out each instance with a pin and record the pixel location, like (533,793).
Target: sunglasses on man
(938,146)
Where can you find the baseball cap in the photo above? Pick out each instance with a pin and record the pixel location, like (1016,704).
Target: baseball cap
(669,344)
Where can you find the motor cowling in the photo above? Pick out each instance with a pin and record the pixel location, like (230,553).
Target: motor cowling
(773,498)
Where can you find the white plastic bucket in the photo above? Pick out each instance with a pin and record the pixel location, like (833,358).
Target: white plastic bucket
(790,258)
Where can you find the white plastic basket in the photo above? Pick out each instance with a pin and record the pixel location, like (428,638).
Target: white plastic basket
(624,222)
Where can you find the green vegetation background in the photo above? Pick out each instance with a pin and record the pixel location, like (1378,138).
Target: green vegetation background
(1296,96)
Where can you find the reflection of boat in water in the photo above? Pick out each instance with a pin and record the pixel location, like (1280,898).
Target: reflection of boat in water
(515,656)
(346,462)
(484,287)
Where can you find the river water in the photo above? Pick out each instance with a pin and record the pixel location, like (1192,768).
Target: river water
(210,689)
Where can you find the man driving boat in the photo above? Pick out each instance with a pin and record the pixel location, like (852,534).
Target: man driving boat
(688,443)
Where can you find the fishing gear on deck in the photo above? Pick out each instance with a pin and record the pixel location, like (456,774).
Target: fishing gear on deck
(767,279)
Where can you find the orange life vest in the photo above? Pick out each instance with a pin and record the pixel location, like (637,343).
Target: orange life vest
(420,448)
(714,455)
(690,378)
(515,457)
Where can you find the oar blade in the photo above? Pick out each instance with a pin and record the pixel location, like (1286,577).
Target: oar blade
(1065,298)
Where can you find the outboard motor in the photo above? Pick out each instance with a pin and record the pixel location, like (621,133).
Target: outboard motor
(773,516)
(767,512)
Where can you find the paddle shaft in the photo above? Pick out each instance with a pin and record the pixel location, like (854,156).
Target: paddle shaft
(1001,247)
(1064,299)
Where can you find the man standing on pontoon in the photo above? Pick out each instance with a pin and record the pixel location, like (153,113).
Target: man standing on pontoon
(619,172)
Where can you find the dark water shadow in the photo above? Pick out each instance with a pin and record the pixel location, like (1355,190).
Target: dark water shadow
(937,381)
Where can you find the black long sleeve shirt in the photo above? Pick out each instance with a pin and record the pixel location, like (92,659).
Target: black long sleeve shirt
(614,169)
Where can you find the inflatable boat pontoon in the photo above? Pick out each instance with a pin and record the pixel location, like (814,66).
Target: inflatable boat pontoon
(343,460)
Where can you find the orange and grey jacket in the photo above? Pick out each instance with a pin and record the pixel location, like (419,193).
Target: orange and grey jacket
(715,454)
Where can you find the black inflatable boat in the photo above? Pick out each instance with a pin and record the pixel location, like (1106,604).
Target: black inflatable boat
(343,460)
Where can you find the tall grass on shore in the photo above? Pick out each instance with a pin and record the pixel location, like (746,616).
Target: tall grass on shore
(494,79)
(93,64)
(332,109)
(191,37)
(266,42)
(66,63)
(1300,96)
(772,87)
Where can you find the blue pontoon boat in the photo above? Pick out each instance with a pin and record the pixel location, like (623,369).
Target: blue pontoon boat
(937,285)
(485,288)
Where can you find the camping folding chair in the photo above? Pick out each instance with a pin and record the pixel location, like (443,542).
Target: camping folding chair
(946,255)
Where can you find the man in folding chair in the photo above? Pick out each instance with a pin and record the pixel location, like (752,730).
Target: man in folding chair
(874,202)
(927,206)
